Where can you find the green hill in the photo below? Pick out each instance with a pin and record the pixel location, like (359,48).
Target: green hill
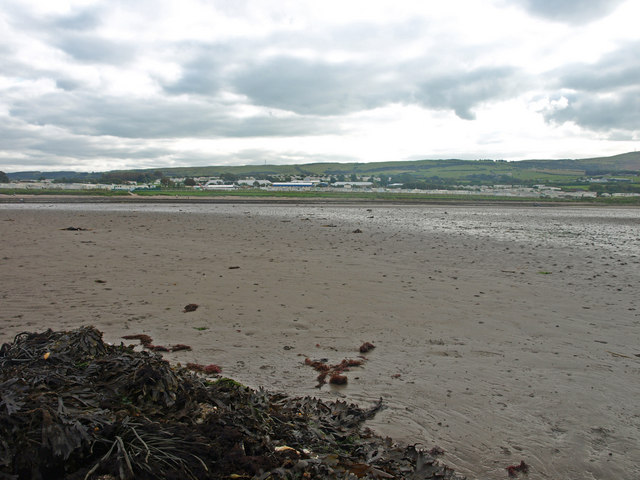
(433,172)
(617,164)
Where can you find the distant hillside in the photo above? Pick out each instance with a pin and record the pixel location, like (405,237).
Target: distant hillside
(623,163)
(37,175)
(446,171)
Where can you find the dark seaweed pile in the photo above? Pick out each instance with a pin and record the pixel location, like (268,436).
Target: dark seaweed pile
(74,407)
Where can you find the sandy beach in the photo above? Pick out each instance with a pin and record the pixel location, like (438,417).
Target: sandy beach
(501,334)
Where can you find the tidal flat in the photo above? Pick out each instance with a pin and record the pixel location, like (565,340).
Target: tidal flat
(502,333)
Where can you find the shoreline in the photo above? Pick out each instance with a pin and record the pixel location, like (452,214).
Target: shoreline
(251,200)
(496,350)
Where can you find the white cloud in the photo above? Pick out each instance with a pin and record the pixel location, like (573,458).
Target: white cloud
(118,84)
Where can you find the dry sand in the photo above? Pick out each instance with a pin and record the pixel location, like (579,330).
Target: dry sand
(495,349)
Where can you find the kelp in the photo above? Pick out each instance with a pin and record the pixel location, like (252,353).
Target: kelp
(74,407)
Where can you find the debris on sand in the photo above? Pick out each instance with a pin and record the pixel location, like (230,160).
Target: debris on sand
(334,372)
(179,347)
(192,307)
(338,379)
(75,229)
(157,348)
(435,451)
(147,342)
(208,369)
(92,410)
(366,347)
(513,470)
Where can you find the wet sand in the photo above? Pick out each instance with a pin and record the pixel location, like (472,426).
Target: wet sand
(498,338)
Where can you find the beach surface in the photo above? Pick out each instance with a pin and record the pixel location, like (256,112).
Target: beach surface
(501,334)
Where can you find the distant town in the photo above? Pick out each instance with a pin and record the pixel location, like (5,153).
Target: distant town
(601,177)
(338,183)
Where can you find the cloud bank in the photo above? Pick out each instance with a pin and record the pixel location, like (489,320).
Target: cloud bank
(97,85)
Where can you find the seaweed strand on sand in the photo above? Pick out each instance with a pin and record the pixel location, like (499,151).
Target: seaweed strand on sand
(74,407)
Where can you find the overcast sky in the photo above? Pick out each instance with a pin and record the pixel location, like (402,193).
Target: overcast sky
(102,85)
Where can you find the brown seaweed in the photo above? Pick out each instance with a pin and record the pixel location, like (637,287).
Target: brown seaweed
(179,347)
(334,372)
(147,342)
(92,410)
(338,379)
(209,369)
(513,470)
(366,347)
(144,339)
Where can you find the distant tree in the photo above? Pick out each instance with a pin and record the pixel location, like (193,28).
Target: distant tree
(615,188)
(341,177)
(354,177)
(4,178)
(166,182)
(403,178)
(143,178)
(418,185)
(256,184)
(332,179)
(189,182)
(505,179)
(229,177)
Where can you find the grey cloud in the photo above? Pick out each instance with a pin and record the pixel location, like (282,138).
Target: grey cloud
(571,11)
(604,96)
(256,156)
(202,75)
(298,84)
(320,88)
(73,34)
(93,49)
(619,112)
(86,148)
(46,149)
(26,148)
(19,68)
(309,87)
(623,136)
(88,114)
(461,92)
(67,84)
(79,21)
(15,135)
(618,69)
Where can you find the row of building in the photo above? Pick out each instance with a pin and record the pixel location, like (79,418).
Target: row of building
(540,191)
